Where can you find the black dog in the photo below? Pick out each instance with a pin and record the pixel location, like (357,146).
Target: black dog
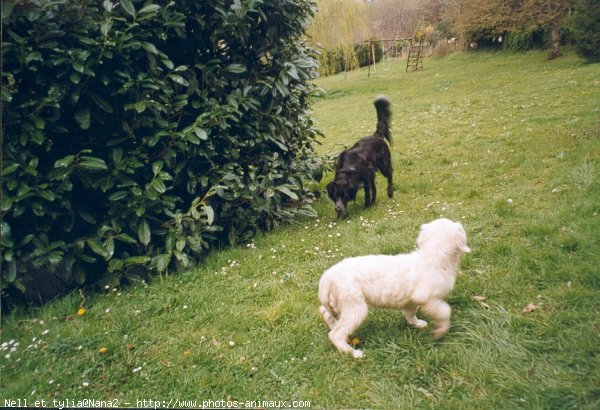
(357,165)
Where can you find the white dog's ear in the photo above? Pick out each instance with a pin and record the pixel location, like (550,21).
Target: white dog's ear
(463,247)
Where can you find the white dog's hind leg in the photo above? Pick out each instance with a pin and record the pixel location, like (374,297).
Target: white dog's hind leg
(350,319)
(411,318)
(440,311)
(328,317)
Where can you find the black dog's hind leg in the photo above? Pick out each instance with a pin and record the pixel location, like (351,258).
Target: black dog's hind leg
(370,190)
(390,189)
(387,172)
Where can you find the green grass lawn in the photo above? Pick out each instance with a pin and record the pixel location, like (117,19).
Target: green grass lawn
(507,143)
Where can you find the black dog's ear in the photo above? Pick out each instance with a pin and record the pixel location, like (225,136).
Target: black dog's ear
(331,190)
(341,160)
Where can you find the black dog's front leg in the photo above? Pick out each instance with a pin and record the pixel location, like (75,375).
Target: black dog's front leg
(373,190)
(368,200)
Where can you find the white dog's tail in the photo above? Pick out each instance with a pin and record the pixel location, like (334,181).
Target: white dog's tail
(327,299)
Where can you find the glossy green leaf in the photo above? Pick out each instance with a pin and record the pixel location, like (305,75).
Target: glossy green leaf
(117,155)
(158,185)
(9,169)
(92,163)
(83,118)
(64,162)
(10,274)
(144,234)
(102,103)
(149,9)
(98,248)
(128,7)
(117,196)
(157,166)
(179,79)
(236,68)
(210,214)
(137,260)
(288,192)
(149,47)
(125,238)
(162,262)
(200,133)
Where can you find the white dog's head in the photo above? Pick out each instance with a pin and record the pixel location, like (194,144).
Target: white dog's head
(443,233)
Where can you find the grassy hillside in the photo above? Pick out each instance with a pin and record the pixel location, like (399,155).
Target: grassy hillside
(508,144)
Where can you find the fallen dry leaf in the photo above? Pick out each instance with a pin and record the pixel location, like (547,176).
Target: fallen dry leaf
(481,301)
(354,342)
(530,308)
(427,394)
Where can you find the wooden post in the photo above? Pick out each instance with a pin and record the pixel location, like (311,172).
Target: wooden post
(369,59)
(373,54)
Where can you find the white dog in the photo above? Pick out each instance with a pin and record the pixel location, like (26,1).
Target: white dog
(420,279)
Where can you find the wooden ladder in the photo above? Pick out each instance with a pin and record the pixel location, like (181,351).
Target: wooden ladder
(415,58)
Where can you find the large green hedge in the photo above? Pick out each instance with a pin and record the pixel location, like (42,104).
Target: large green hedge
(137,134)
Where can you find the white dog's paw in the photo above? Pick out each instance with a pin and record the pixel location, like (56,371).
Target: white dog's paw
(357,354)
(420,324)
(439,333)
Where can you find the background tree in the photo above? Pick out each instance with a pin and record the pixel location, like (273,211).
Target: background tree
(484,20)
(337,27)
(546,14)
(481,20)
(585,29)
(395,18)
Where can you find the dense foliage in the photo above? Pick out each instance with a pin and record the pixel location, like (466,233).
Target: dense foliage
(526,39)
(527,23)
(369,52)
(585,29)
(139,133)
(339,59)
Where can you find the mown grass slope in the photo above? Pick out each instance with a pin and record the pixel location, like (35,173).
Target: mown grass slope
(507,143)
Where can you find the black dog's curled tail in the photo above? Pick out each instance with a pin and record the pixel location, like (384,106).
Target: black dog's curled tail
(384,118)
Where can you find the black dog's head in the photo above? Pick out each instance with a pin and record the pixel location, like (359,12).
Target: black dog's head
(341,191)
